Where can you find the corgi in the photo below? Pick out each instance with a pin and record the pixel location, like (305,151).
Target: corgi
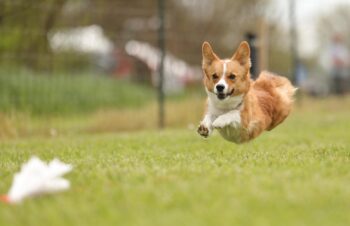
(238,107)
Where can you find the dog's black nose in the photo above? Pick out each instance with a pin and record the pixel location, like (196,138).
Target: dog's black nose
(220,88)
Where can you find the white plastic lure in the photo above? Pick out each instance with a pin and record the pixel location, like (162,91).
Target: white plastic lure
(37,177)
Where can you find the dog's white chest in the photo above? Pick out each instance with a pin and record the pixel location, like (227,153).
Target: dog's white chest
(225,116)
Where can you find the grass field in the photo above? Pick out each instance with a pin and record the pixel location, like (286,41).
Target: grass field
(298,174)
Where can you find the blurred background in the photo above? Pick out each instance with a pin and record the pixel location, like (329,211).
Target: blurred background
(98,66)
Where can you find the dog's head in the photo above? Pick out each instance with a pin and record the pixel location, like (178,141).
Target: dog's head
(228,77)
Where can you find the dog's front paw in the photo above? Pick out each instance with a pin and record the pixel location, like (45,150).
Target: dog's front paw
(226,120)
(221,122)
(203,131)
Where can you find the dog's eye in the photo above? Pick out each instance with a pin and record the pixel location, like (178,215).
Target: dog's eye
(232,76)
(215,76)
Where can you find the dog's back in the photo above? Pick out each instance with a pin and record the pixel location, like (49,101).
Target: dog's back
(275,96)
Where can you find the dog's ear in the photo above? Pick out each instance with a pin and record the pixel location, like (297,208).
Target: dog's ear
(208,54)
(242,55)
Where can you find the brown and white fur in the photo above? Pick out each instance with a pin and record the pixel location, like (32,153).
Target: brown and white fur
(238,107)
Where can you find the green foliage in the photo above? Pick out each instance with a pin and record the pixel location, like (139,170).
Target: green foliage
(57,94)
(297,174)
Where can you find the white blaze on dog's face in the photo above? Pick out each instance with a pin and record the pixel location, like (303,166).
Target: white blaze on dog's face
(229,77)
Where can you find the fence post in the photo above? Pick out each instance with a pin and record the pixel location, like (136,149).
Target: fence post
(251,39)
(161,45)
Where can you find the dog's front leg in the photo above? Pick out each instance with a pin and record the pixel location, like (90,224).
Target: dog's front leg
(205,128)
(231,118)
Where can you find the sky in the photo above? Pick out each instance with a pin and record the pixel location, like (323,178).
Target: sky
(306,13)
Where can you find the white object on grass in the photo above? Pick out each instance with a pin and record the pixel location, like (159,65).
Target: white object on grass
(36,177)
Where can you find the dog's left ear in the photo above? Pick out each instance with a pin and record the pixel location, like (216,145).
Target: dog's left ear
(242,55)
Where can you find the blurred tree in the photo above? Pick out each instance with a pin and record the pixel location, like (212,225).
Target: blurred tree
(26,24)
(279,56)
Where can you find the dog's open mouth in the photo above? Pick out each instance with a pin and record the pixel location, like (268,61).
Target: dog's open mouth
(222,96)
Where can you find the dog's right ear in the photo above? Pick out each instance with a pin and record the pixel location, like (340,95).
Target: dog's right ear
(208,54)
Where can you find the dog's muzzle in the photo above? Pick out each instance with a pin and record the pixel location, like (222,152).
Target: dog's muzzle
(222,96)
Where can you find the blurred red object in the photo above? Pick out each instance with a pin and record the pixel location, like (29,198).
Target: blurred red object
(4,198)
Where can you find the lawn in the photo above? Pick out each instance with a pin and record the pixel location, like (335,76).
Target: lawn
(297,174)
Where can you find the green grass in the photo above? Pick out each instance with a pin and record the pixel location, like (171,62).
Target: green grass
(47,94)
(298,174)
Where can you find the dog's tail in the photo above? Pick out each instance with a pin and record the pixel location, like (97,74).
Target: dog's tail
(283,95)
(285,90)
